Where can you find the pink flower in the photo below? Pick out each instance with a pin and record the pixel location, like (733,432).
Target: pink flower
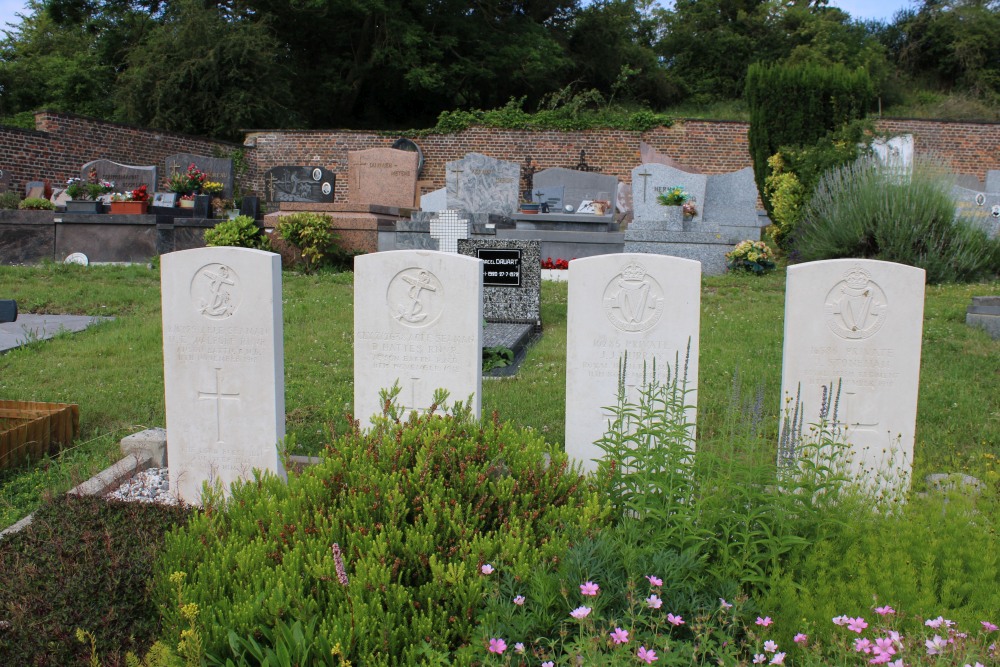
(770,646)
(589,588)
(862,645)
(619,636)
(800,639)
(519,648)
(759,658)
(856,624)
(338,563)
(648,656)
(674,620)
(486,569)
(778,659)
(896,663)
(498,646)
(766,621)
(580,612)
(654,602)
(654,581)
(978,664)
(989,627)
(519,600)
(549,663)
(884,611)
(724,604)
(938,622)
(884,646)
(880,659)
(936,645)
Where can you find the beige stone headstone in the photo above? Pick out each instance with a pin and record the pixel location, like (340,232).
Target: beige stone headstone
(223,366)
(382,176)
(860,323)
(418,321)
(645,305)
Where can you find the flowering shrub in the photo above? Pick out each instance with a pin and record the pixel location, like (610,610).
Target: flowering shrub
(752,256)
(92,188)
(560,264)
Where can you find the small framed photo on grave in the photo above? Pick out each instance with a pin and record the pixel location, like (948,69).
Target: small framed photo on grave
(586,206)
(166,199)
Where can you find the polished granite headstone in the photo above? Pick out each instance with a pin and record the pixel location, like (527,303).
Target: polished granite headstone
(512,278)
(219,170)
(299,184)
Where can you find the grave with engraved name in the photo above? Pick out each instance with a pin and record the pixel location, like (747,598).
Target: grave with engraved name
(856,324)
(125,177)
(511,278)
(218,169)
(418,323)
(299,184)
(982,209)
(223,366)
(480,184)
(383,176)
(644,306)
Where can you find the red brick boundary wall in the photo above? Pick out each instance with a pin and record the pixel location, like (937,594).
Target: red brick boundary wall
(62,142)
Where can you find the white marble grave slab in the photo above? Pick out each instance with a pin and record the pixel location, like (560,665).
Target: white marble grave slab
(223,366)
(646,305)
(418,321)
(858,322)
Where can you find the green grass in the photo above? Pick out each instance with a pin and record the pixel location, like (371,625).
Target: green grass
(114,370)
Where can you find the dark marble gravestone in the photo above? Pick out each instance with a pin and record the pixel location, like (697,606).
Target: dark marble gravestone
(218,169)
(125,177)
(299,184)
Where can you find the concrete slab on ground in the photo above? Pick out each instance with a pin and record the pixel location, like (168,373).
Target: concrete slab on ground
(29,327)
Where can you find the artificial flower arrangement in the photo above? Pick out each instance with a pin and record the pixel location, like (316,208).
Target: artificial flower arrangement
(189,182)
(92,188)
(678,196)
(211,188)
(560,264)
(753,256)
(139,194)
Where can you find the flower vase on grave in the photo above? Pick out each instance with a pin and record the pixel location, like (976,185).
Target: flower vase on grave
(83,206)
(129,207)
(675,217)
(185,203)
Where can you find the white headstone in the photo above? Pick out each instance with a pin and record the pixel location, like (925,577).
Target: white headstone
(223,366)
(645,305)
(895,153)
(448,228)
(858,322)
(418,321)
(434,201)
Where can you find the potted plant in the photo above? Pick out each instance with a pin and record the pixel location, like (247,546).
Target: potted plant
(679,204)
(85,194)
(135,202)
(187,184)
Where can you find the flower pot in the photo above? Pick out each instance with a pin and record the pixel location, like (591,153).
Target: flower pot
(83,206)
(232,213)
(186,203)
(530,209)
(129,207)
(675,217)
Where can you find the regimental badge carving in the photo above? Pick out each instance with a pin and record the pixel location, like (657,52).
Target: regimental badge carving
(856,307)
(215,291)
(633,300)
(415,297)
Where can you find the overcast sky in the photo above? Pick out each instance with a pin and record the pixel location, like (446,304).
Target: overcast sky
(859,9)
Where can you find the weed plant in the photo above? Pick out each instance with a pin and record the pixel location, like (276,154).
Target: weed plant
(868,210)
(416,506)
(82,563)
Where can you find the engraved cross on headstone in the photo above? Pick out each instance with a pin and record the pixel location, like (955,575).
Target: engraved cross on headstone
(218,396)
(448,228)
(859,414)
(458,181)
(413,403)
(645,179)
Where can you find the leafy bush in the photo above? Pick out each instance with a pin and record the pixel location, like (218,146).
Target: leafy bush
(866,210)
(36,204)
(82,563)
(9,200)
(313,241)
(795,105)
(417,507)
(240,232)
(751,257)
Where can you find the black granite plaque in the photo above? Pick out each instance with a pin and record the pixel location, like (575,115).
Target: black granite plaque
(299,184)
(501,267)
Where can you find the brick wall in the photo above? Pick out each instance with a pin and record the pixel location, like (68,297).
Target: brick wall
(61,143)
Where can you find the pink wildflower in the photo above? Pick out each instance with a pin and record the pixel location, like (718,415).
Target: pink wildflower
(885,611)
(880,659)
(674,620)
(549,663)
(338,563)
(498,646)
(800,639)
(648,656)
(989,627)
(519,600)
(938,622)
(856,624)
(654,581)
(766,621)
(654,602)
(936,645)
(724,604)
(759,658)
(519,648)
(486,569)
(770,646)
(580,612)
(778,659)
(619,636)
(896,663)
(841,620)
(589,588)
(884,646)
(862,645)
